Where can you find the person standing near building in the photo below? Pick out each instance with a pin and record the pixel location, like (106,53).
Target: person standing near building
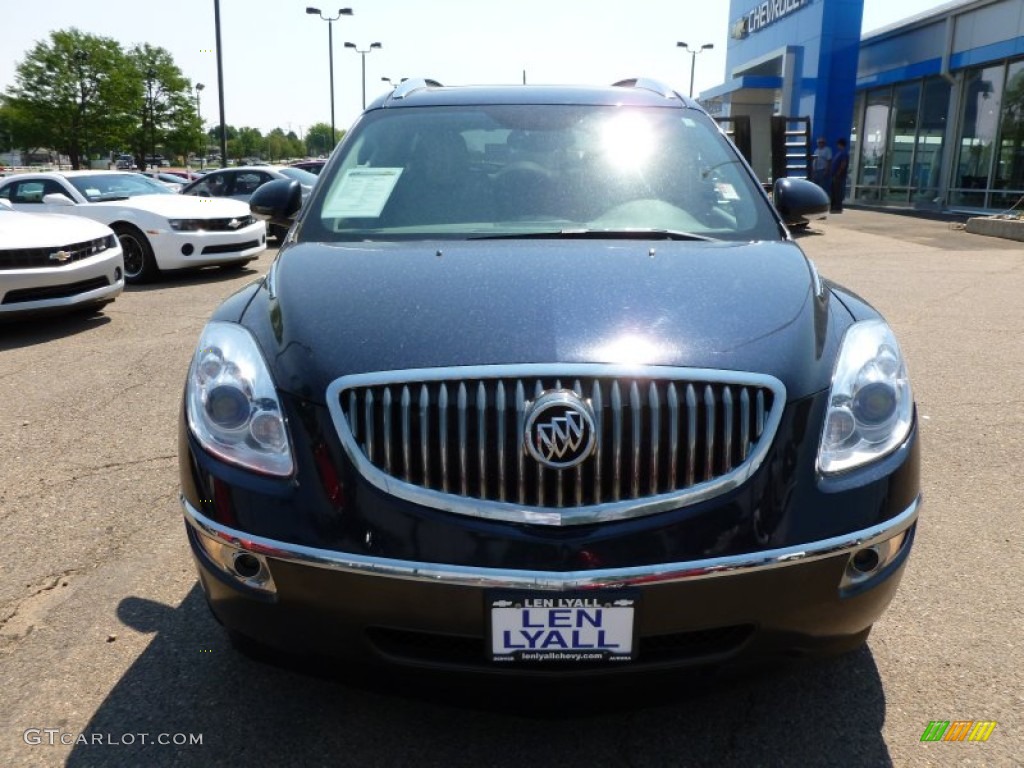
(840,165)
(821,166)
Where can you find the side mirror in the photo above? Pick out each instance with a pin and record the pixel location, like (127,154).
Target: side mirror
(6,204)
(57,198)
(278,201)
(797,199)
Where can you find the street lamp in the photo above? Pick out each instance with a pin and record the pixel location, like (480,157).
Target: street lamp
(693,58)
(363,53)
(330,54)
(202,133)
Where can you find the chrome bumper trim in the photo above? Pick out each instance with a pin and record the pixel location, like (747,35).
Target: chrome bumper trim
(458,575)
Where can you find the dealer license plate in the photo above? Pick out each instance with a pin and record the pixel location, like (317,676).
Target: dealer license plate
(562,628)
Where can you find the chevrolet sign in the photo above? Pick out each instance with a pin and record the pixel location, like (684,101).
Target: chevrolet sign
(763,15)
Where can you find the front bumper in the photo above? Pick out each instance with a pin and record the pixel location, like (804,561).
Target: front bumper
(97,279)
(181,250)
(808,598)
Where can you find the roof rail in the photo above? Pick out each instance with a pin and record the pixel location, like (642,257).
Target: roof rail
(413,84)
(648,84)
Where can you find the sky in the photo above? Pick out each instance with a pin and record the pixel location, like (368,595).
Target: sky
(276,71)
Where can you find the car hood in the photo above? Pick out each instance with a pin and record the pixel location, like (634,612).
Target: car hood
(38,230)
(181,206)
(325,311)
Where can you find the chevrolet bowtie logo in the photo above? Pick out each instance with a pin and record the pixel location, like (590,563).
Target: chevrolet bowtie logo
(60,256)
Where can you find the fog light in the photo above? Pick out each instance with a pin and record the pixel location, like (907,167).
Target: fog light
(117,274)
(187,249)
(237,564)
(247,566)
(866,563)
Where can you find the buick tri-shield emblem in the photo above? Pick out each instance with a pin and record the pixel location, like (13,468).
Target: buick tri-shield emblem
(559,431)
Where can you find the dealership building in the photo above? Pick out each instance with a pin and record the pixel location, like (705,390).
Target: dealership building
(932,107)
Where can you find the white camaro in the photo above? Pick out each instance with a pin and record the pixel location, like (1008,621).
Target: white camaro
(159,230)
(54,263)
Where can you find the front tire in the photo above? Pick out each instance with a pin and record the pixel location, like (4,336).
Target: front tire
(139,262)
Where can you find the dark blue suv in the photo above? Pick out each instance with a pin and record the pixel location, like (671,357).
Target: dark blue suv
(540,384)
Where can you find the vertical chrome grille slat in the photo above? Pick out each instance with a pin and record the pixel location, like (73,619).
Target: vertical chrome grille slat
(654,405)
(353,414)
(481,435)
(709,432)
(538,390)
(596,402)
(442,426)
(520,453)
(616,441)
(425,433)
(636,417)
(499,407)
(369,424)
(577,387)
(465,437)
(727,416)
(691,435)
(386,407)
(406,434)
(673,435)
(744,423)
(461,405)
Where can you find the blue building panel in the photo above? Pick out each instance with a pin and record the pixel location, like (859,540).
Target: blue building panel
(823,37)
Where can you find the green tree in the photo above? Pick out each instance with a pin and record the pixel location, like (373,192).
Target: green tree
(165,113)
(318,139)
(249,143)
(277,145)
(67,93)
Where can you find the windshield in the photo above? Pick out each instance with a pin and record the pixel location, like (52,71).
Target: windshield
(305,178)
(537,170)
(117,186)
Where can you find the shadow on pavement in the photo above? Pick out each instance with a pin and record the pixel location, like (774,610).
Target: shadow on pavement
(190,681)
(38,329)
(198,275)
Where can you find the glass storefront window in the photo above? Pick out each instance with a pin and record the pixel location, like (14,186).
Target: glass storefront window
(927,171)
(1009,170)
(900,151)
(983,89)
(873,142)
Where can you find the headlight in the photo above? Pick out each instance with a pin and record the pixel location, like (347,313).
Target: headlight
(232,405)
(186,225)
(870,405)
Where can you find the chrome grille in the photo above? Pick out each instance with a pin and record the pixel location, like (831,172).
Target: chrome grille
(453,438)
(29,258)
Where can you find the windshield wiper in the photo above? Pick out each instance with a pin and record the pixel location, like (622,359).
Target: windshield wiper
(108,197)
(598,234)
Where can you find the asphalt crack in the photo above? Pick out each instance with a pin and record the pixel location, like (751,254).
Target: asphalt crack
(20,621)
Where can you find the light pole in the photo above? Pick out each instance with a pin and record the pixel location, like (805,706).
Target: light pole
(330,54)
(363,53)
(202,133)
(693,58)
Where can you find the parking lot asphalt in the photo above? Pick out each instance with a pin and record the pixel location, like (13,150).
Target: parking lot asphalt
(106,647)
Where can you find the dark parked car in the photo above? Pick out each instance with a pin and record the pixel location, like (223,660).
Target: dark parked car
(313,166)
(541,384)
(239,184)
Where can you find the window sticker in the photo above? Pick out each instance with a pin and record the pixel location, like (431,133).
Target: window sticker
(727,191)
(362,193)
